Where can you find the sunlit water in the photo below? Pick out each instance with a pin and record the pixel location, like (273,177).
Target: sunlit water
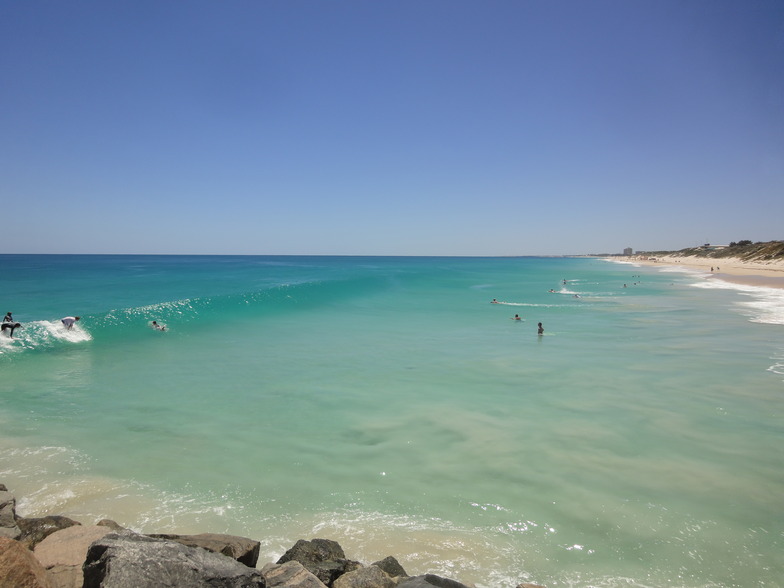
(386,404)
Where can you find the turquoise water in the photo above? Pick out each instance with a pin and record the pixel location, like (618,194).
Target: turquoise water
(386,404)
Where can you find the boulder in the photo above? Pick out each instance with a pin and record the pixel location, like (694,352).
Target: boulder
(128,560)
(316,550)
(111,524)
(8,527)
(36,530)
(244,550)
(391,566)
(19,568)
(62,553)
(323,558)
(291,574)
(369,577)
(428,581)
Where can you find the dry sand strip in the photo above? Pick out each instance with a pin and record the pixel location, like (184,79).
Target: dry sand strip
(769,274)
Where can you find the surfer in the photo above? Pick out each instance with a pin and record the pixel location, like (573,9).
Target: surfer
(158,327)
(494,301)
(69,321)
(9,325)
(541,329)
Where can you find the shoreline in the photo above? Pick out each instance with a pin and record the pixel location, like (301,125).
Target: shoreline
(729,269)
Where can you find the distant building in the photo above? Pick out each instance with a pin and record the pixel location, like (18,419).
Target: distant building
(627,251)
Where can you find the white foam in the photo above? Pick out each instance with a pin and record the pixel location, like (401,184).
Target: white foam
(37,333)
(7,344)
(671,269)
(766,306)
(778,367)
(622,262)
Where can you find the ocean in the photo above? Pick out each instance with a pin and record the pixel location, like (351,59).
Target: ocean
(387,404)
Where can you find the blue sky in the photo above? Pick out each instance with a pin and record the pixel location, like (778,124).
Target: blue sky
(408,127)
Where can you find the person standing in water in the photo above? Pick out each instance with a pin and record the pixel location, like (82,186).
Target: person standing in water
(541,329)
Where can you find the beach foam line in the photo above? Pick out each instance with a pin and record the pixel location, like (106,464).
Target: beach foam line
(766,306)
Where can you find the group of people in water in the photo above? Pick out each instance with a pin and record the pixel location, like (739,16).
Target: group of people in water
(517,317)
(10,325)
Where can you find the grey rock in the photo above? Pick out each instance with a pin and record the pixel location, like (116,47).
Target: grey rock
(369,577)
(129,560)
(391,566)
(323,558)
(8,527)
(428,581)
(315,550)
(291,574)
(35,530)
(111,524)
(244,550)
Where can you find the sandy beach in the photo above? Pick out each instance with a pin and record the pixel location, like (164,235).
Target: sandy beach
(730,269)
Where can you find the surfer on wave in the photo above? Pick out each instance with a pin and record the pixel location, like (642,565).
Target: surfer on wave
(9,325)
(69,321)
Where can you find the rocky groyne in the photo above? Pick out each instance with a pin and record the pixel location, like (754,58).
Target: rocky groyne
(59,552)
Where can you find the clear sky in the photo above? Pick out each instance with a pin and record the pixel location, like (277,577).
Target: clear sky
(380,127)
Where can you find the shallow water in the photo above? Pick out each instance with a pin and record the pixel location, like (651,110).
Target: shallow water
(384,403)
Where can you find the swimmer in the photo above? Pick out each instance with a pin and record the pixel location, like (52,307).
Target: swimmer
(158,327)
(494,301)
(69,321)
(517,318)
